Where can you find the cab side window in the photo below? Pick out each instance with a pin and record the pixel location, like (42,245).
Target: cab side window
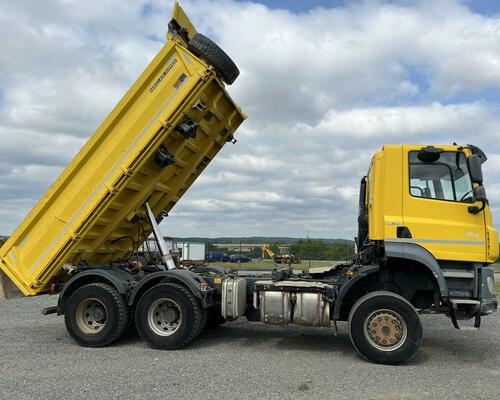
(447,178)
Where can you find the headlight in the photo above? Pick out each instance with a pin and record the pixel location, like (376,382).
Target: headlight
(491,284)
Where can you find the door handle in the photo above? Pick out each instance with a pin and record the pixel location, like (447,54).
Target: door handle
(402,232)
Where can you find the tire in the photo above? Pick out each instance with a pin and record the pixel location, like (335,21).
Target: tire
(96,315)
(207,50)
(203,313)
(203,322)
(214,317)
(131,329)
(387,315)
(168,316)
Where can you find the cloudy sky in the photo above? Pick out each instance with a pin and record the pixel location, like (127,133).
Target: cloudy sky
(325,84)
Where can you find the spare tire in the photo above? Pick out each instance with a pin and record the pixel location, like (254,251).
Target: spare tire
(204,48)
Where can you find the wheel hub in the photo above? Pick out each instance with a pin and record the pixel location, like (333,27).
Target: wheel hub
(164,317)
(91,316)
(386,330)
(170,315)
(98,313)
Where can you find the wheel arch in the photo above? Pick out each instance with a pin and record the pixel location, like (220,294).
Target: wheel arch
(120,280)
(401,249)
(419,277)
(184,277)
(348,287)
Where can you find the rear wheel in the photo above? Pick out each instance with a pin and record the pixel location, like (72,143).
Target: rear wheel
(385,328)
(168,316)
(203,320)
(96,315)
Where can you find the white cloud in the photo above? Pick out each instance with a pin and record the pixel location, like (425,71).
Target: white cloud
(323,89)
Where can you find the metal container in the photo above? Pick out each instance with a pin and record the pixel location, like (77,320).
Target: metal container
(234,298)
(310,309)
(275,307)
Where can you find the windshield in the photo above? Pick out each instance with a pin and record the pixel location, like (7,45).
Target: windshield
(447,178)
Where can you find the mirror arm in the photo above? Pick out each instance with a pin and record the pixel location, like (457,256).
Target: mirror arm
(476,210)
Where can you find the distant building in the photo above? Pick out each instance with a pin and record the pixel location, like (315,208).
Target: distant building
(185,250)
(246,247)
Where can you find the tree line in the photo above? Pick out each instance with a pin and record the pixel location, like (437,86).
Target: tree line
(315,249)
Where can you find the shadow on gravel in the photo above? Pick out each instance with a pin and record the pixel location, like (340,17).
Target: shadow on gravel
(289,338)
(452,346)
(280,338)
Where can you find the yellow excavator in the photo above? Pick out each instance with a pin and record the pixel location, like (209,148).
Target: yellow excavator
(284,258)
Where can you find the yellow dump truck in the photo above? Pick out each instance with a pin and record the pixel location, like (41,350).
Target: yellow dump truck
(425,244)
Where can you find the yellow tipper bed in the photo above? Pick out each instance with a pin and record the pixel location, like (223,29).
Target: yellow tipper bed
(100,196)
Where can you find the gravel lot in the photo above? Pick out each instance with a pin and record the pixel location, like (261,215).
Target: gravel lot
(239,360)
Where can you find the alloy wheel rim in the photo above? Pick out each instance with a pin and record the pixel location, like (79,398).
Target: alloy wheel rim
(385,330)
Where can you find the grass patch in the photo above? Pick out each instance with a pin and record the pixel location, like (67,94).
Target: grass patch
(266,265)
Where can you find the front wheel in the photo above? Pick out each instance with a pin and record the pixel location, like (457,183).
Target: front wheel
(168,316)
(385,328)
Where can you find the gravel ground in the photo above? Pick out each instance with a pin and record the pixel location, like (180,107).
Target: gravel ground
(38,360)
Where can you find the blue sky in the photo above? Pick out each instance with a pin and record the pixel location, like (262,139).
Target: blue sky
(485,7)
(300,6)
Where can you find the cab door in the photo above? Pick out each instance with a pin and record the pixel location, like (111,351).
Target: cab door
(437,192)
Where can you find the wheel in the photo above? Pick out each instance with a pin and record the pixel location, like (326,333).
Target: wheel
(168,316)
(204,48)
(214,317)
(96,315)
(131,329)
(385,328)
(203,315)
(203,320)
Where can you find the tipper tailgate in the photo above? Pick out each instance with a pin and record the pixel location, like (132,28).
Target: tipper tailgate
(98,199)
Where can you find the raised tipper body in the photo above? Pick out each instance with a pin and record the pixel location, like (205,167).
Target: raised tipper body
(154,144)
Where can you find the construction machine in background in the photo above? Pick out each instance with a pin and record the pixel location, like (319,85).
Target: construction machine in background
(284,257)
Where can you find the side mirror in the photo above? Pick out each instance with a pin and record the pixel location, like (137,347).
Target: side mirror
(479,195)
(476,174)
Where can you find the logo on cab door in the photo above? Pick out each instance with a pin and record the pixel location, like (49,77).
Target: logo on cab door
(473,235)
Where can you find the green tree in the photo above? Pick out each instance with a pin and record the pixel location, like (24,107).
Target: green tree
(316,249)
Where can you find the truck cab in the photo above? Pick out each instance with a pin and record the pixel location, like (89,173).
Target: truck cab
(425,208)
